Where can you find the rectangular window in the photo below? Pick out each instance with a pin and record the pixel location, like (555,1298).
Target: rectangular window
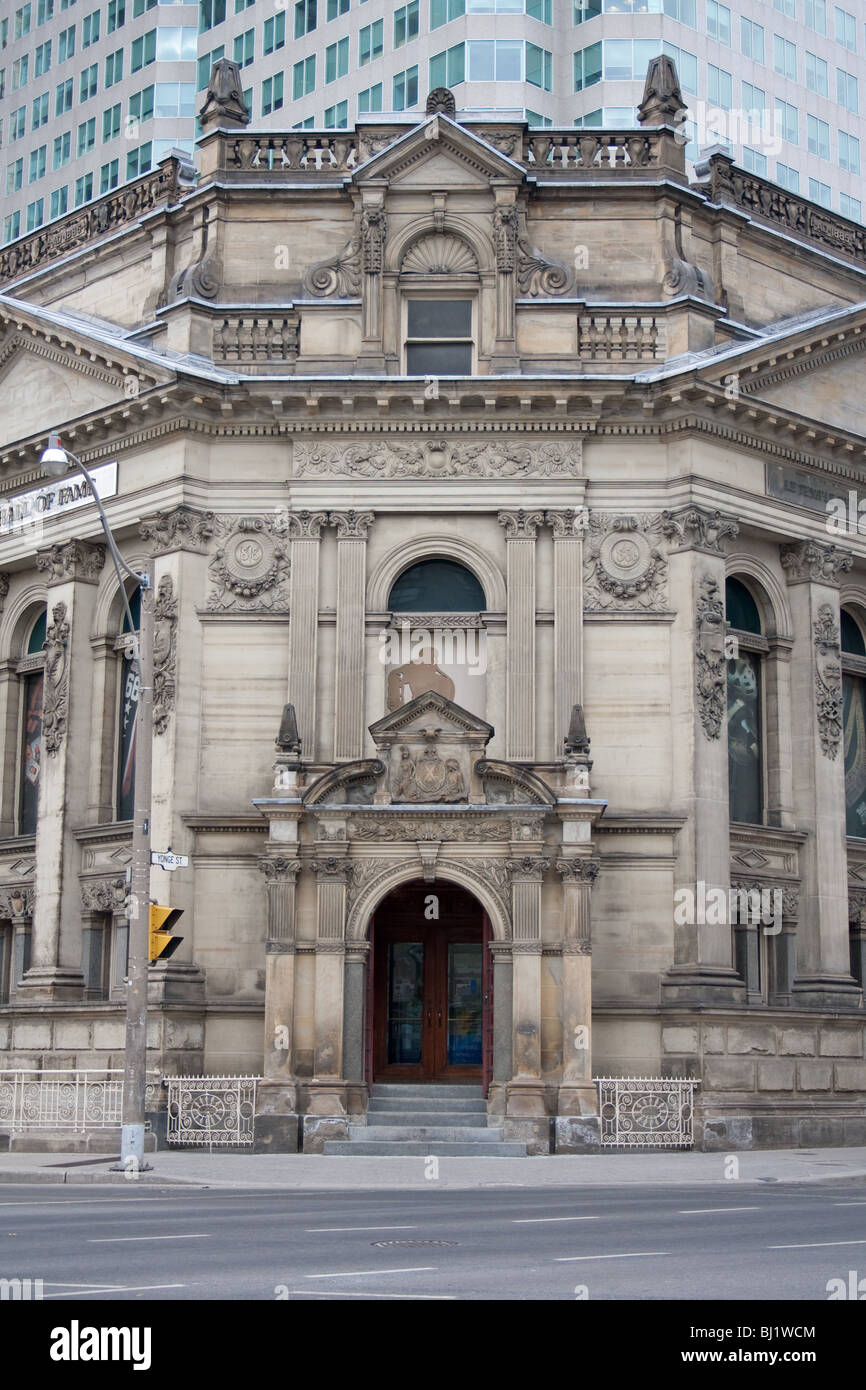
(818,137)
(820,193)
(406,24)
(89,83)
(144,51)
(111,122)
(109,176)
(587,67)
(35,214)
(846,91)
(90,29)
(116,15)
(275,33)
(213,12)
(370,100)
(439,337)
(12,226)
(719,87)
(755,105)
(44,11)
(42,62)
(139,7)
(83,189)
(371,42)
(849,152)
(754,161)
(305,17)
(787,122)
(40,111)
(22,22)
(845,29)
(304,77)
(204,66)
(542,10)
(405,90)
(447,69)
(337,117)
(18,123)
(687,67)
(788,177)
(272,94)
(66,44)
(141,106)
(816,75)
(14,176)
(38,164)
(335,9)
(60,201)
(62,150)
(719,22)
(336,60)
(784,57)
(752,40)
(442,11)
(139,161)
(786,7)
(176,45)
(20,72)
(816,15)
(114,68)
(539,66)
(309,123)
(244,48)
(86,135)
(850,207)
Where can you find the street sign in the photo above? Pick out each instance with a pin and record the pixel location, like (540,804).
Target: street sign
(169,861)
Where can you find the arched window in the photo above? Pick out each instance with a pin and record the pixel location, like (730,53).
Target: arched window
(745,737)
(32,672)
(439,281)
(437,586)
(854,723)
(127,713)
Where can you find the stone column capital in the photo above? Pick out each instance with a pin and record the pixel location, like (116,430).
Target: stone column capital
(812,562)
(278,869)
(520,524)
(178,528)
(578,870)
(351,525)
(331,868)
(305,526)
(71,560)
(697,528)
(568,524)
(528,868)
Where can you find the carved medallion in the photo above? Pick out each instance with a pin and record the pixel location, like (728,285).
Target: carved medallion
(624,566)
(427,777)
(250,565)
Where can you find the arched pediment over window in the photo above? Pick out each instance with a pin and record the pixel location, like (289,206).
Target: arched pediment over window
(439,253)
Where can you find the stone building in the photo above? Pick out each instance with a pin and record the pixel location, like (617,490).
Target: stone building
(508,484)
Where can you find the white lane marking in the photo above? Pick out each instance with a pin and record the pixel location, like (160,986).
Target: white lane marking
(849,1204)
(76,1202)
(628,1255)
(539,1220)
(114,1240)
(321,1230)
(103,1289)
(707,1211)
(359,1273)
(333,1293)
(816,1244)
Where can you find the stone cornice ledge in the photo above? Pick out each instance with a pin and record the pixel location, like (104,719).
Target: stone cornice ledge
(649,823)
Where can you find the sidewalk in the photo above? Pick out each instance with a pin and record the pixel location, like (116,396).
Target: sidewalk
(309,1172)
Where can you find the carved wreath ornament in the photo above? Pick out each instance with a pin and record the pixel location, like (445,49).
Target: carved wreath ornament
(250,564)
(624,566)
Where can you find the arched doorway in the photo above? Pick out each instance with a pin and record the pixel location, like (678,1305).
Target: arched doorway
(430,987)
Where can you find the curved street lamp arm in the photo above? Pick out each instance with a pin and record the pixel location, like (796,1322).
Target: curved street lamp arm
(119,562)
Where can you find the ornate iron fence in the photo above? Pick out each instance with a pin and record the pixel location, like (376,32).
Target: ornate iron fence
(646,1112)
(63,1100)
(206,1110)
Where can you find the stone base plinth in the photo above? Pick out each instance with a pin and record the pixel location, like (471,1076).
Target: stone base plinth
(703,986)
(175,982)
(828,993)
(276,1134)
(524,1098)
(577,1100)
(326,1096)
(577,1134)
(318,1128)
(47,984)
(535,1134)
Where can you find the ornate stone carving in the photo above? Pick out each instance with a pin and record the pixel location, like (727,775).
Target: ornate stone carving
(365,872)
(277,867)
(332,867)
(697,529)
(201,280)
(662,102)
(710,657)
(351,525)
(55,704)
(521,525)
(180,528)
(4,588)
(275,946)
(427,777)
(828,680)
(103,895)
(224,101)
(537,274)
(569,524)
(408,827)
(441,99)
(164,653)
(287,740)
(305,526)
(250,565)
(17,901)
(682,277)
(578,870)
(790,894)
(374,231)
(439,253)
(529,868)
(577,739)
(811,562)
(68,560)
(431,457)
(505,230)
(339,276)
(624,568)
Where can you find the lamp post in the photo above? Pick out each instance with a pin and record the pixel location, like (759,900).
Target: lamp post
(55,462)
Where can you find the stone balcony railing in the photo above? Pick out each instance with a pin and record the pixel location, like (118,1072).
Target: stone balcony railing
(604,337)
(257,338)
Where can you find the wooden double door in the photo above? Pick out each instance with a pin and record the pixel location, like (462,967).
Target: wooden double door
(430,986)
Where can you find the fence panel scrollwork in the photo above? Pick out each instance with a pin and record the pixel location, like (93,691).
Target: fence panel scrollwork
(646,1112)
(211,1110)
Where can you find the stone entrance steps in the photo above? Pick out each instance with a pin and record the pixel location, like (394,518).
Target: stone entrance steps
(414,1121)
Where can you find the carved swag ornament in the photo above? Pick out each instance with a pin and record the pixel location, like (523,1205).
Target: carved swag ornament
(432,457)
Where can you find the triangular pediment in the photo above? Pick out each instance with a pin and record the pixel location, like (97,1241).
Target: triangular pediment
(439,154)
(429,716)
(832,394)
(36,378)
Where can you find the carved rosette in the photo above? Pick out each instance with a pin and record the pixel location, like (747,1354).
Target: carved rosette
(433,457)
(339,277)
(351,525)
(828,680)
(103,895)
(250,566)
(624,566)
(164,653)
(181,528)
(71,560)
(710,673)
(521,525)
(697,529)
(55,699)
(811,562)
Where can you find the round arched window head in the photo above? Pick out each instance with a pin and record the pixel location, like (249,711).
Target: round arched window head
(36,640)
(852,635)
(741,610)
(436,586)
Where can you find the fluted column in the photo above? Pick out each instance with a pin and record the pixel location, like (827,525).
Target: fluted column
(352,528)
(525,1092)
(279,1069)
(520,532)
(305,530)
(823,979)
(72,571)
(577,1094)
(567,619)
(327,1087)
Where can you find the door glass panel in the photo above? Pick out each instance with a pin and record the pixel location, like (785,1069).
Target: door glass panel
(405,1001)
(464,1003)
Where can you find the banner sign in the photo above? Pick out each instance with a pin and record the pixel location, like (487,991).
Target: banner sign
(18,514)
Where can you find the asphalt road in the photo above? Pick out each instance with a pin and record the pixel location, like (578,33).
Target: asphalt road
(765,1242)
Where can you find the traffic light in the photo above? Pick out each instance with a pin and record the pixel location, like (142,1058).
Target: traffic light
(160,942)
